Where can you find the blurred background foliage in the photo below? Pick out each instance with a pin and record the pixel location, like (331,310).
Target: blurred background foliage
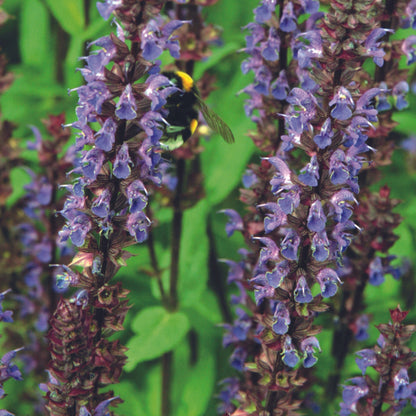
(43,40)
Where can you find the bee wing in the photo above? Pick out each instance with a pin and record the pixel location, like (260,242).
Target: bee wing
(215,122)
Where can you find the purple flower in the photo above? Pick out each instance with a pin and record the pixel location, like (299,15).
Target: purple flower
(367,359)
(376,272)
(361,328)
(156,93)
(237,359)
(138,225)
(277,274)
(105,9)
(264,12)
(328,279)
(409,50)
(92,163)
(137,196)
(338,171)
(126,106)
(399,92)
(288,21)
(316,217)
(401,385)
(7,368)
(290,244)
(290,356)
(351,394)
(343,103)
(101,205)
(302,292)
(320,246)
(324,137)
(275,219)
(341,209)
(308,346)
(267,253)
(235,223)
(104,138)
(282,319)
(280,86)
(311,173)
(121,168)
(79,229)
(373,47)
(270,48)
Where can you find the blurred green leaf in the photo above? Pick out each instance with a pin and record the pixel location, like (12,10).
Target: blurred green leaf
(132,399)
(193,260)
(34,39)
(158,332)
(69,14)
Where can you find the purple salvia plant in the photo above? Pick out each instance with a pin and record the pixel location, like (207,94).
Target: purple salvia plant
(391,390)
(306,191)
(366,260)
(104,212)
(8,369)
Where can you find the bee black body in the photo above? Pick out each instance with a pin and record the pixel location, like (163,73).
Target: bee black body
(182,106)
(182,113)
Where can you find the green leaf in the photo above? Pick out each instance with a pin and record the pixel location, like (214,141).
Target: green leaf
(199,385)
(128,392)
(193,258)
(69,14)
(158,330)
(34,34)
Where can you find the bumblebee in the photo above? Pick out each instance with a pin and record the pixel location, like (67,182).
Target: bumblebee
(183,107)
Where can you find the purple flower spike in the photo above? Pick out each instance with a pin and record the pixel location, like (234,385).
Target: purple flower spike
(121,169)
(367,359)
(328,280)
(235,222)
(126,107)
(308,346)
(316,217)
(290,356)
(282,319)
(302,292)
(104,138)
(343,103)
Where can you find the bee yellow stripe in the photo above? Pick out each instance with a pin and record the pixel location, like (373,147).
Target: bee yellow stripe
(193,125)
(187,80)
